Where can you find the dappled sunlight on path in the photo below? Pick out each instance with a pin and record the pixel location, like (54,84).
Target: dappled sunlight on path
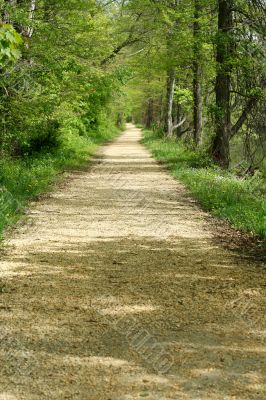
(114,289)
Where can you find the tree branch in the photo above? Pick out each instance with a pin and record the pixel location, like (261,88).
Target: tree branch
(247,110)
(180,123)
(117,50)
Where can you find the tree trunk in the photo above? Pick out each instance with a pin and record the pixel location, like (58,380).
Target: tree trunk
(160,120)
(31,17)
(197,75)
(171,73)
(149,114)
(178,116)
(170,101)
(220,148)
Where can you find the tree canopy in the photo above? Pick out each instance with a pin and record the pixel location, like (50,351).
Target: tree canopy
(194,70)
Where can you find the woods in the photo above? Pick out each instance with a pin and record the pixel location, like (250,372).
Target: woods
(213,53)
(56,90)
(72,74)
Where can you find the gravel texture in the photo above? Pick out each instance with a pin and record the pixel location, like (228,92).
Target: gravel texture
(114,289)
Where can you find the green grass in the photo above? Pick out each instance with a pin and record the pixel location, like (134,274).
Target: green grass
(22,180)
(242,202)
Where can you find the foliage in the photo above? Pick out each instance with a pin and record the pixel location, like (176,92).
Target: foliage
(186,41)
(10,42)
(58,89)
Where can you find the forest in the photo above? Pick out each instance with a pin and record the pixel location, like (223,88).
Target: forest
(191,73)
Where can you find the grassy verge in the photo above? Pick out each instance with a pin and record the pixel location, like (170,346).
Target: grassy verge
(22,180)
(242,202)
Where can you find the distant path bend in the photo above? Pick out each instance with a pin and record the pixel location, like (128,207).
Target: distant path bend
(114,289)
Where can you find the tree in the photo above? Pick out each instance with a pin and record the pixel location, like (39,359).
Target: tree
(80,58)
(58,91)
(224,50)
(197,75)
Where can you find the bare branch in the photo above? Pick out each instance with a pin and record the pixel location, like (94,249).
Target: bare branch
(180,123)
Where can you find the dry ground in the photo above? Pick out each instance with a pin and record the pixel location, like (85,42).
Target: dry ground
(115,290)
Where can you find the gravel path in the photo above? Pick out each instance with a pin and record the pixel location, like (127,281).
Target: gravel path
(114,289)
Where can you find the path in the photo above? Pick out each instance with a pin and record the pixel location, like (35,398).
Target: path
(115,289)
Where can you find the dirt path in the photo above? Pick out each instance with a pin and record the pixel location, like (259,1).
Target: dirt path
(115,290)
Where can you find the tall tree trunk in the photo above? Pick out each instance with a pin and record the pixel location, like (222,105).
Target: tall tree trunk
(220,148)
(31,17)
(178,117)
(171,78)
(197,76)
(170,101)
(149,114)
(160,117)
